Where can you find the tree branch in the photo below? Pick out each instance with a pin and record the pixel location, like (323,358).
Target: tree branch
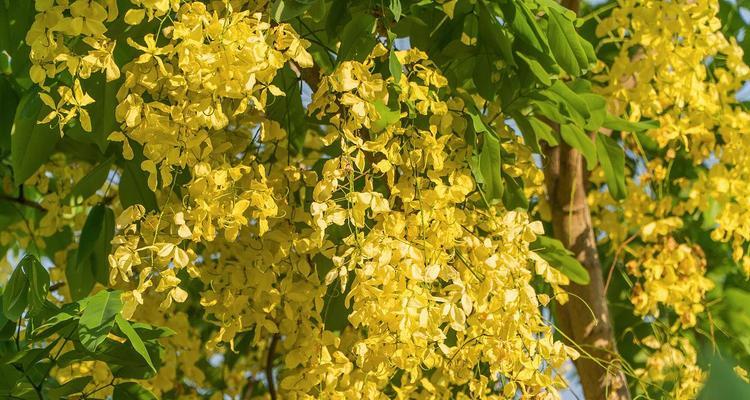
(22,201)
(269,366)
(566,188)
(567,185)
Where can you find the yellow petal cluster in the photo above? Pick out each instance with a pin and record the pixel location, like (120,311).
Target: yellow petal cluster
(365,264)
(70,36)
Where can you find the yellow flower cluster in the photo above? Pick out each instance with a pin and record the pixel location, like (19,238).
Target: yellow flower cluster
(661,72)
(673,365)
(205,92)
(433,281)
(427,291)
(380,211)
(668,273)
(54,39)
(675,66)
(671,274)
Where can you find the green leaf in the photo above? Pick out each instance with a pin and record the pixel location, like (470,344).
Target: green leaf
(131,391)
(524,24)
(394,66)
(38,279)
(5,68)
(723,382)
(3,318)
(647,141)
(103,248)
(102,112)
(490,165)
(513,195)
(134,339)
(477,123)
(621,125)
(387,118)
(575,106)
(475,170)
(73,356)
(284,10)
(95,243)
(57,322)
(560,258)
(597,107)
(125,363)
(544,132)
(29,357)
(578,140)
(59,241)
(357,38)
(337,14)
(15,19)
(98,318)
(470,33)
(550,110)
(536,69)
(565,43)
(712,211)
(288,110)
(80,277)
(493,36)
(73,386)
(148,332)
(534,131)
(612,159)
(31,143)
(483,75)
(134,187)
(8,103)
(89,184)
(11,377)
(15,295)
(395,7)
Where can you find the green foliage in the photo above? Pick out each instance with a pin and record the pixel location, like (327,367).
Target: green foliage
(96,236)
(89,184)
(532,58)
(31,143)
(612,158)
(131,391)
(37,336)
(723,382)
(555,253)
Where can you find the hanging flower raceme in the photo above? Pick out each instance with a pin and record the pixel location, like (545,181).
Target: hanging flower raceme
(53,37)
(354,256)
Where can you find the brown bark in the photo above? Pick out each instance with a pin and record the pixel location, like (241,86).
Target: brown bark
(601,377)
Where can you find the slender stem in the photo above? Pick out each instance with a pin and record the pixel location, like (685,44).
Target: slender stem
(269,366)
(111,383)
(18,335)
(56,286)
(37,389)
(23,202)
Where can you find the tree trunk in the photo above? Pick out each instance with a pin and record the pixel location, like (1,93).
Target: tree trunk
(601,378)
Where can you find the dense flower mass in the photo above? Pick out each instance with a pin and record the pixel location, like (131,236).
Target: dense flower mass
(676,66)
(313,201)
(380,207)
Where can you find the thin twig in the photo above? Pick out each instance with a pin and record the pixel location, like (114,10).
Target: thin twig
(619,250)
(22,201)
